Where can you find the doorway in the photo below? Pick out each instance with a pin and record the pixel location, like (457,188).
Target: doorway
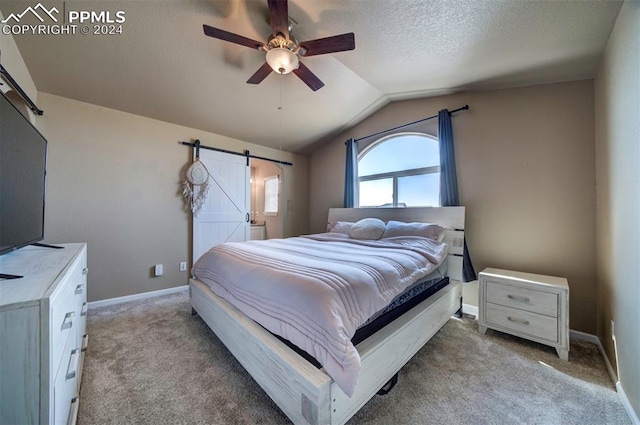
(267,215)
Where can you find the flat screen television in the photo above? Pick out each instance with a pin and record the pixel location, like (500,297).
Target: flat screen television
(23,170)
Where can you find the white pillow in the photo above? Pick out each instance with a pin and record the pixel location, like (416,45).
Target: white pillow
(339,227)
(367,228)
(426,230)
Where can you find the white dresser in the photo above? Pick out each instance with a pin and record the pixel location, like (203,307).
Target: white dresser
(42,329)
(531,306)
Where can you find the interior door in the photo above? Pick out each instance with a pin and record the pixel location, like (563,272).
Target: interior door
(224,217)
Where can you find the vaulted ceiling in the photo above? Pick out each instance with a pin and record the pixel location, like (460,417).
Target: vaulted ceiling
(163,66)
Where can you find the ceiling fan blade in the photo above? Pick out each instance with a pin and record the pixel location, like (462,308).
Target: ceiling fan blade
(321,46)
(260,74)
(308,77)
(231,37)
(279,16)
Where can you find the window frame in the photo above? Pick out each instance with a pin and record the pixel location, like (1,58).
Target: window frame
(395,175)
(269,195)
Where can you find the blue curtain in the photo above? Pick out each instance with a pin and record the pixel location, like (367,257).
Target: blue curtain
(449,181)
(351,174)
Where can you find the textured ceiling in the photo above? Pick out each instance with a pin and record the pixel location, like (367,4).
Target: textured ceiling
(164,67)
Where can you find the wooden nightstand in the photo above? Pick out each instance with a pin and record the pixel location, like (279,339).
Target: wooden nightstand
(531,306)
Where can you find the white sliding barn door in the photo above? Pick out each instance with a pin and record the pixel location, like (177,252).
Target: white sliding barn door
(224,215)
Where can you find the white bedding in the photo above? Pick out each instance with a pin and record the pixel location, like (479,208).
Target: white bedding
(317,290)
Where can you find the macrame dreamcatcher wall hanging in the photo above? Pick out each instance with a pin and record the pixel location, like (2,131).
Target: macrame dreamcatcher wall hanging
(196,185)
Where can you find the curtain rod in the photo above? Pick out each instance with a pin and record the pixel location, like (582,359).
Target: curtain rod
(13,83)
(462,108)
(246,153)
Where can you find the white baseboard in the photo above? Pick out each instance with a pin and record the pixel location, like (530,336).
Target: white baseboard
(627,404)
(583,336)
(470,309)
(614,376)
(120,300)
(595,340)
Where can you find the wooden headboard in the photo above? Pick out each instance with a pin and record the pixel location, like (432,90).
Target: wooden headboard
(450,217)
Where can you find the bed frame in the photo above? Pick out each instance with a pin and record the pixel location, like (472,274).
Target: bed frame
(307,395)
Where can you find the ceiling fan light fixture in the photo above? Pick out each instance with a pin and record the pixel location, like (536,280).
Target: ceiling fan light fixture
(282,60)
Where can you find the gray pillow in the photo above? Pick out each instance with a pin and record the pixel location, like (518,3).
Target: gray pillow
(367,228)
(339,227)
(426,230)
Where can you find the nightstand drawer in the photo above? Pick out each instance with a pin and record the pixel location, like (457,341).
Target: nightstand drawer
(522,322)
(523,298)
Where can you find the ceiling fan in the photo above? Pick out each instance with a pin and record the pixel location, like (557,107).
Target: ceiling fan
(283,50)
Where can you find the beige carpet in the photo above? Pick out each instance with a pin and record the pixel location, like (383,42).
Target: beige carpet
(152,362)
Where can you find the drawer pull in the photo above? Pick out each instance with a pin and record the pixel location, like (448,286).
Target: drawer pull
(83,312)
(85,342)
(73,414)
(79,289)
(519,298)
(516,320)
(67,323)
(85,271)
(72,362)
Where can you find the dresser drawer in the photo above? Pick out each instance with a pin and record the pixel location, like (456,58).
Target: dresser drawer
(527,299)
(80,302)
(66,382)
(522,323)
(66,308)
(81,330)
(63,322)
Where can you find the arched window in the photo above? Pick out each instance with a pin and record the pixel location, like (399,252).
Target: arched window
(402,170)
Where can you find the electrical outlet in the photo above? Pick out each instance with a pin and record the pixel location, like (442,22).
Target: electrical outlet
(613,330)
(159,270)
(183,266)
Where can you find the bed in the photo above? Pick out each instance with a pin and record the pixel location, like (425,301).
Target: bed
(307,394)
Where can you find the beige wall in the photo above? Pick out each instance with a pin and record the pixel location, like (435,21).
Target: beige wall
(526,174)
(618,197)
(114,181)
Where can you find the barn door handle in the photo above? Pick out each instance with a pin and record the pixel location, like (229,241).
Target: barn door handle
(248,218)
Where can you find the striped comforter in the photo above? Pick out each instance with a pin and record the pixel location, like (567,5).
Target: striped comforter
(317,290)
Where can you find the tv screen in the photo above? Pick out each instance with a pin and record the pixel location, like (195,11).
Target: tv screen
(23,158)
